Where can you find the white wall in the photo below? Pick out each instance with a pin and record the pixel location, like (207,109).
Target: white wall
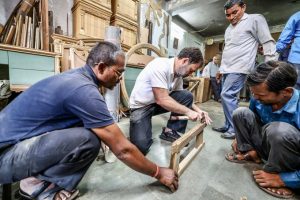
(61,9)
(186,39)
(157,26)
(6,8)
(176,32)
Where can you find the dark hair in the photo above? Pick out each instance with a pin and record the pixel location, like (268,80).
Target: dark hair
(192,53)
(275,74)
(105,52)
(231,3)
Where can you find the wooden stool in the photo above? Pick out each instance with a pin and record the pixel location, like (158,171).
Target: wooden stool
(177,146)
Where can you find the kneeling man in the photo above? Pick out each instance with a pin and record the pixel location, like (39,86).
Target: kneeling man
(268,131)
(159,89)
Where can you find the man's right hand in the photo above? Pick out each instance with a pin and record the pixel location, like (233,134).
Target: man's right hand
(193,115)
(168,177)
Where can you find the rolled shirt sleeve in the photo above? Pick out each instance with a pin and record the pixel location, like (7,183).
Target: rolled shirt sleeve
(291,179)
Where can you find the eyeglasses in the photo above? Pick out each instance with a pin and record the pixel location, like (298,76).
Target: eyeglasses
(119,74)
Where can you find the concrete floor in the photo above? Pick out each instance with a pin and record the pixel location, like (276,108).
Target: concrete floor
(209,177)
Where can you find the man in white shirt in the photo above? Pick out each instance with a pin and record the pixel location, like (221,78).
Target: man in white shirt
(242,37)
(159,89)
(211,70)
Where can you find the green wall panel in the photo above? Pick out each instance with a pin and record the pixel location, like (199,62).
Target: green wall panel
(3,57)
(130,77)
(28,61)
(27,77)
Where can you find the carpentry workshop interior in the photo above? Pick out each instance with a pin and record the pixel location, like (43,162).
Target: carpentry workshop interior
(188,83)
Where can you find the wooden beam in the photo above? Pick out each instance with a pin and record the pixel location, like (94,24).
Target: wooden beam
(45,25)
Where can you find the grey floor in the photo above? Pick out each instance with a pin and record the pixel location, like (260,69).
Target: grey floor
(209,177)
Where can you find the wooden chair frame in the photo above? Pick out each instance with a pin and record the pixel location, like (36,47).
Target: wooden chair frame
(177,146)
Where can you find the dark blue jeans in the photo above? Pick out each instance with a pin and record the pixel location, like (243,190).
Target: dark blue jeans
(140,120)
(61,157)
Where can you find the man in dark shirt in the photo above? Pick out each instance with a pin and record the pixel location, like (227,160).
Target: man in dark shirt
(268,131)
(50,134)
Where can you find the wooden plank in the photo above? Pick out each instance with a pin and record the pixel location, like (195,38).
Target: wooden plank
(185,138)
(45,25)
(189,158)
(25,50)
(174,163)
(10,35)
(177,146)
(18,88)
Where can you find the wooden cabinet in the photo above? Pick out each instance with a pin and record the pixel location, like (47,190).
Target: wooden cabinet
(27,66)
(124,15)
(126,8)
(90,18)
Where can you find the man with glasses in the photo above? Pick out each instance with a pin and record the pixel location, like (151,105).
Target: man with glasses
(242,37)
(158,89)
(50,134)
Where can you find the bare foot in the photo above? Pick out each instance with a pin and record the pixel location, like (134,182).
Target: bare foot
(268,180)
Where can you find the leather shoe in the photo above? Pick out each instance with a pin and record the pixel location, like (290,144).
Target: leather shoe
(228,135)
(221,129)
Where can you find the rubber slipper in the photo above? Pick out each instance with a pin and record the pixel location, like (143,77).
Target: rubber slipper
(235,158)
(36,193)
(50,194)
(282,196)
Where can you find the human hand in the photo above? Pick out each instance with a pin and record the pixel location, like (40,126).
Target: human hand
(193,115)
(205,117)
(199,115)
(168,177)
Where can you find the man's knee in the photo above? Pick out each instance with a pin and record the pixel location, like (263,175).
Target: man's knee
(85,138)
(280,132)
(242,112)
(183,96)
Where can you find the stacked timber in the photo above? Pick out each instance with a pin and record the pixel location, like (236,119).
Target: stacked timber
(27,26)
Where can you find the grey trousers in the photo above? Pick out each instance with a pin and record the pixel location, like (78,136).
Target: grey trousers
(277,143)
(61,157)
(140,120)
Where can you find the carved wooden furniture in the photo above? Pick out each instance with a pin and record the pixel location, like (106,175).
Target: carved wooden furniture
(124,15)
(90,17)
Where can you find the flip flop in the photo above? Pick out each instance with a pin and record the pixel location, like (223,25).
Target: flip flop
(282,196)
(50,194)
(35,193)
(235,158)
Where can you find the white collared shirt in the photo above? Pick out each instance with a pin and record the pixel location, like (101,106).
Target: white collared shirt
(158,73)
